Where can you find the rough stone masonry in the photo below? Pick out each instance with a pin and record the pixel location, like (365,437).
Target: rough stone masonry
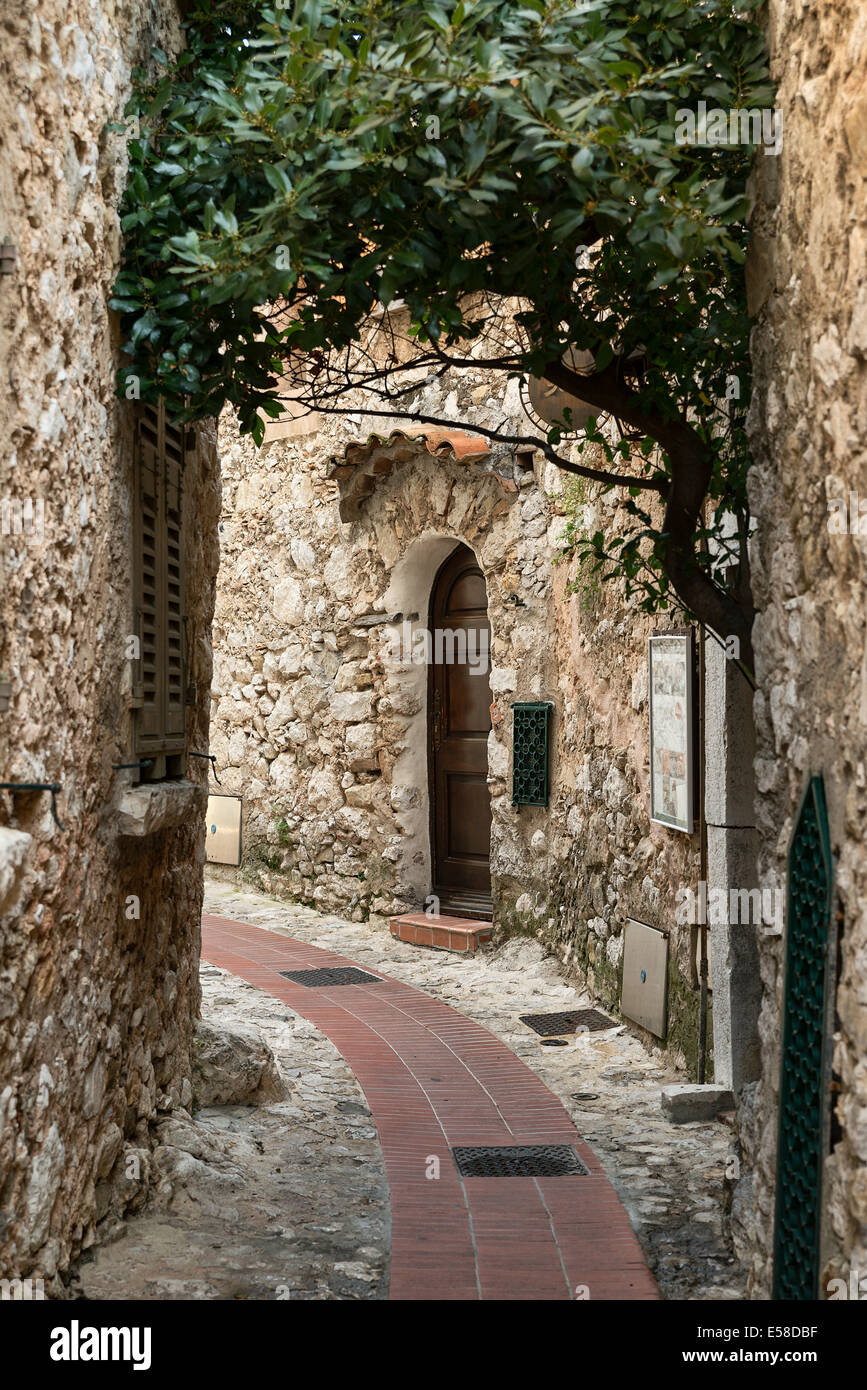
(97,997)
(807,281)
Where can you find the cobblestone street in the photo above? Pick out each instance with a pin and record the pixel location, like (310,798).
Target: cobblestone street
(290,1199)
(669,1177)
(278,1201)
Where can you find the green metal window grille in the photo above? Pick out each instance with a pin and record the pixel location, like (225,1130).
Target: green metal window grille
(530,754)
(804,1072)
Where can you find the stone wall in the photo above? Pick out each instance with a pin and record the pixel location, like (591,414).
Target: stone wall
(807,276)
(96,1004)
(323,731)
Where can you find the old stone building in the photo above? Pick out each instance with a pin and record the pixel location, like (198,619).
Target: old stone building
(335,538)
(98,903)
(573,873)
(346,544)
(808,287)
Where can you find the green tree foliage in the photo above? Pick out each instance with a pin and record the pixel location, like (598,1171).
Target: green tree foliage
(330,156)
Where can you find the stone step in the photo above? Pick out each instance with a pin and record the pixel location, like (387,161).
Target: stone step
(444,933)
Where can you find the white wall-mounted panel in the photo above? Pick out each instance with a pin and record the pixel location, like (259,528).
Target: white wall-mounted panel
(645,977)
(223,830)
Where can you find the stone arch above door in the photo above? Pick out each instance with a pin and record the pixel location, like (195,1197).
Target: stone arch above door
(417,512)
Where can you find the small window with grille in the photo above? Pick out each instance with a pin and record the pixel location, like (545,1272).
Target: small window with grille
(159,682)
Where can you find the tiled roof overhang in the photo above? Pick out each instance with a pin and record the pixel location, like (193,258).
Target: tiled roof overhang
(364,461)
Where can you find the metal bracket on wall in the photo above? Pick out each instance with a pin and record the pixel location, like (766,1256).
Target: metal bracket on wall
(53,787)
(212,759)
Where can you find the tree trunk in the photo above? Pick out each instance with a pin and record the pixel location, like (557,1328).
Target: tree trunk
(691,469)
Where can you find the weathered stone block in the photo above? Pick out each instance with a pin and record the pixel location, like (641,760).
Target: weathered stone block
(233,1066)
(287,603)
(159,806)
(361,740)
(351,707)
(687,1104)
(14,847)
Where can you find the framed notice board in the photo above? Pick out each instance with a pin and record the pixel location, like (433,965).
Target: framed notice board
(673,701)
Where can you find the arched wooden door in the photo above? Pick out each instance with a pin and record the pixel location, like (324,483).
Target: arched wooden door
(459,721)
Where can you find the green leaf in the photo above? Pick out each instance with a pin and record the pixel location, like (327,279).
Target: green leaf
(457,155)
(277,178)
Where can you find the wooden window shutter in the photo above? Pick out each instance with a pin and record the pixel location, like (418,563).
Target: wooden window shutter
(175,717)
(160,722)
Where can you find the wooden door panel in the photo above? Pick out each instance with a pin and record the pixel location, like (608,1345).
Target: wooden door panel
(467,695)
(460,721)
(469,817)
(461,755)
(468,594)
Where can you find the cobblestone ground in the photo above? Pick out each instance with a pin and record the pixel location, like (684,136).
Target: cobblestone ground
(289,1199)
(279,1201)
(669,1177)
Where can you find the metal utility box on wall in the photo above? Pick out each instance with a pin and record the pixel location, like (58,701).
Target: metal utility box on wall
(644,994)
(223,830)
(530,725)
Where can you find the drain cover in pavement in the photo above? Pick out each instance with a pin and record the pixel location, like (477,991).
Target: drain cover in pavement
(579,1020)
(330,975)
(520,1161)
(553,1042)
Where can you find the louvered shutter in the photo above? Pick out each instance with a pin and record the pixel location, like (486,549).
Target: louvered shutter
(148,568)
(175,719)
(159,589)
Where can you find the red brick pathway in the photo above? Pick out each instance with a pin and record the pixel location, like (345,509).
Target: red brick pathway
(434,1079)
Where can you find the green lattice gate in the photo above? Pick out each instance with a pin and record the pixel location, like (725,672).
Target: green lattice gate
(805,1073)
(530,725)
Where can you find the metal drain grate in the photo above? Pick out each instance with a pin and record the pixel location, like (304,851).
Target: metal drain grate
(330,975)
(520,1161)
(579,1020)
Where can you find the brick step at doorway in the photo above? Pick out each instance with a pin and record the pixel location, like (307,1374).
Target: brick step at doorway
(444,933)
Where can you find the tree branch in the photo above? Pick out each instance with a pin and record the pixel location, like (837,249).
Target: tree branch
(691,471)
(597,475)
(691,465)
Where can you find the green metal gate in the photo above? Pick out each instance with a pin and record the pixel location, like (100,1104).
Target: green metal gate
(805,1075)
(530,728)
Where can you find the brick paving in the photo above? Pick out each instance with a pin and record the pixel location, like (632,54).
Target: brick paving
(435,1079)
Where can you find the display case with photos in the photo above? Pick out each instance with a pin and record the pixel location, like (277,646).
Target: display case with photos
(672,700)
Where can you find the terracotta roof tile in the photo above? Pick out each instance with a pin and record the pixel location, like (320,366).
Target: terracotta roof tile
(364,460)
(436,441)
